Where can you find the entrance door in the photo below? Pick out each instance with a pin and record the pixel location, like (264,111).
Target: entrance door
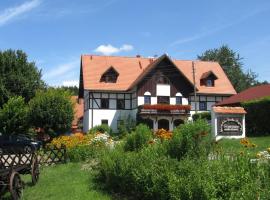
(163,123)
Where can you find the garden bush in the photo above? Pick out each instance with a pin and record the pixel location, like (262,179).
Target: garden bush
(202,115)
(14,117)
(150,174)
(85,152)
(139,138)
(103,128)
(257,117)
(190,139)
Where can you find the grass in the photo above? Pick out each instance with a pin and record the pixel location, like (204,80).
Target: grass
(233,145)
(63,182)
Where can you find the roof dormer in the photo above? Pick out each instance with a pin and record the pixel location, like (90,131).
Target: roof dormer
(208,79)
(109,76)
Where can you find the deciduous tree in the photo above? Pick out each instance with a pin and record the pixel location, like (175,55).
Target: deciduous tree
(231,63)
(18,76)
(14,117)
(52,110)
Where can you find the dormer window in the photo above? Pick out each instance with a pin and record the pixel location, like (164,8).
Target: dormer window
(210,83)
(208,79)
(109,76)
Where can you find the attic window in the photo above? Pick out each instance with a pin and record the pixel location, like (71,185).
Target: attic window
(109,76)
(208,79)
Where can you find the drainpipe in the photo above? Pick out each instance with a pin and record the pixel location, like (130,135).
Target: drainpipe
(194,84)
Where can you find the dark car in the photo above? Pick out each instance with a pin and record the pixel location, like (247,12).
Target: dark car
(18,144)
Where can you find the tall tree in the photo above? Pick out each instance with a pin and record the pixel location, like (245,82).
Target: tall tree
(18,76)
(51,110)
(14,117)
(231,63)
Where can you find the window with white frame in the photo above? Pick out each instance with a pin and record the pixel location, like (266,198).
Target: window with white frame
(147,98)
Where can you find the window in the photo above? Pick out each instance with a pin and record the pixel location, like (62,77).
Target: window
(109,76)
(202,105)
(120,104)
(163,100)
(161,79)
(104,121)
(178,100)
(104,103)
(209,83)
(147,99)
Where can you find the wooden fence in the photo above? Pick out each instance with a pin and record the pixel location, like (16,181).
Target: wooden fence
(53,155)
(46,156)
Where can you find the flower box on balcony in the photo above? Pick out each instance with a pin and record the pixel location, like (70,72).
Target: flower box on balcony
(166,107)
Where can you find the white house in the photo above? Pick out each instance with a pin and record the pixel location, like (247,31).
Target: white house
(157,90)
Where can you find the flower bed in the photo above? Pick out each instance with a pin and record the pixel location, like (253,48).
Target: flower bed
(166,107)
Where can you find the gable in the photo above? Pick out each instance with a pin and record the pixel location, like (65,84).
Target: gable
(133,69)
(164,72)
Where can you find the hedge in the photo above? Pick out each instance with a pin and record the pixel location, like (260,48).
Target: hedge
(258,116)
(203,115)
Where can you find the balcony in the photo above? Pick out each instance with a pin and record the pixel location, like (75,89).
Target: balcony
(164,109)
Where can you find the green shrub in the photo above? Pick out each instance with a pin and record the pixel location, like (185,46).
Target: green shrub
(190,139)
(103,128)
(139,138)
(202,115)
(257,117)
(149,174)
(85,152)
(14,117)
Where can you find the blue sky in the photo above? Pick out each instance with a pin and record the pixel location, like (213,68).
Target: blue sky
(54,33)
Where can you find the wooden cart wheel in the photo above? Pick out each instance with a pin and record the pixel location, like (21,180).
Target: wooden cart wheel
(15,186)
(35,170)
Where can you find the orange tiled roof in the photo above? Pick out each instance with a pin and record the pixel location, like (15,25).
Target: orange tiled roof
(249,94)
(78,110)
(229,110)
(131,69)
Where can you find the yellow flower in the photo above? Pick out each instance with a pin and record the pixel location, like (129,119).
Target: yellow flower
(258,155)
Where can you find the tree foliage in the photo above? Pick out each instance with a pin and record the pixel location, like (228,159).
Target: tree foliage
(18,76)
(231,63)
(14,117)
(257,117)
(52,110)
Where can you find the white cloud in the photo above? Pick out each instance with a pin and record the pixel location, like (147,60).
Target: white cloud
(62,70)
(71,83)
(109,49)
(10,13)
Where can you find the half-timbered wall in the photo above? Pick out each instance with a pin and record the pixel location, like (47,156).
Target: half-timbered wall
(209,100)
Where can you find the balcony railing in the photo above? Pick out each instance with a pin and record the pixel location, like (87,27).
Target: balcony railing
(164,109)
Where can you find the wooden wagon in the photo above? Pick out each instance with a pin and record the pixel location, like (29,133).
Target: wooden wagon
(11,166)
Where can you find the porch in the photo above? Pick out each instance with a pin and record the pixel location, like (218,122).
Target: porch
(164,116)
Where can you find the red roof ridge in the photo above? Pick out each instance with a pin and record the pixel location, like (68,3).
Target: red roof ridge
(142,57)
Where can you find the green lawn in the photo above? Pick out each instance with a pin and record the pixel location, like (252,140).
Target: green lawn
(233,145)
(63,182)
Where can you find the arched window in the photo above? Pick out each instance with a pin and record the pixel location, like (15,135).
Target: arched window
(147,98)
(178,98)
(161,79)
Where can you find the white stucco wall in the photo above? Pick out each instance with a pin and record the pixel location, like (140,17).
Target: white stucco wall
(106,114)
(163,90)
(86,121)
